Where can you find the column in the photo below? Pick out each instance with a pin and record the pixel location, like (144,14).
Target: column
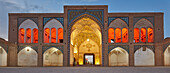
(146,34)
(32,35)
(40,41)
(25,35)
(57,35)
(50,36)
(139,34)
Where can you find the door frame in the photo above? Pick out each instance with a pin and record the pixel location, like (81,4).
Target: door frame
(89,54)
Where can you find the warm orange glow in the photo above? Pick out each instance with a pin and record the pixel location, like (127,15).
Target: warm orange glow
(46,35)
(35,35)
(143,35)
(60,35)
(111,35)
(53,35)
(28,36)
(150,34)
(21,35)
(124,35)
(136,35)
(118,35)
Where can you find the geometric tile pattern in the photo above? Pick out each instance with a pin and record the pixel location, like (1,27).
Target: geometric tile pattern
(60,47)
(60,19)
(111,47)
(22,47)
(4,46)
(136,19)
(165,46)
(136,47)
(20,20)
(126,19)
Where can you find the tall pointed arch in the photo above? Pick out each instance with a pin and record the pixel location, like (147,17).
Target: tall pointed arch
(144,57)
(121,30)
(118,57)
(53,34)
(27,57)
(22,36)
(167,56)
(53,57)
(3,57)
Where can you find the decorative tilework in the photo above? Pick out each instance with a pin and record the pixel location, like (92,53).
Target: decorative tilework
(44,48)
(20,20)
(60,19)
(165,46)
(22,47)
(136,47)
(111,47)
(98,14)
(136,19)
(73,14)
(126,19)
(5,47)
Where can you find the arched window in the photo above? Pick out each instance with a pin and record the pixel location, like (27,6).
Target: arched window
(21,35)
(118,35)
(35,35)
(28,35)
(124,35)
(111,35)
(143,35)
(150,34)
(28,32)
(46,35)
(136,35)
(60,35)
(53,35)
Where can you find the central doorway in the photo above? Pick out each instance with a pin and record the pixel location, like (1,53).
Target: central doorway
(89,59)
(85,43)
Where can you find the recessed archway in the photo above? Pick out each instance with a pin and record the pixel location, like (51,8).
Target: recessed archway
(3,57)
(167,56)
(53,57)
(86,39)
(144,57)
(118,57)
(27,57)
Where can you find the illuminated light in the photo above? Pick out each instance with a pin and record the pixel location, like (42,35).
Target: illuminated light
(136,35)
(118,35)
(35,35)
(28,35)
(53,35)
(143,35)
(46,35)
(56,49)
(124,35)
(87,39)
(21,35)
(80,62)
(111,35)
(28,48)
(60,35)
(150,34)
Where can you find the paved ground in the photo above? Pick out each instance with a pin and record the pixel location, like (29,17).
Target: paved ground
(84,69)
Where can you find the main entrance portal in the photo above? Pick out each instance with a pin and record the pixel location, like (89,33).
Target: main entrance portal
(85,43)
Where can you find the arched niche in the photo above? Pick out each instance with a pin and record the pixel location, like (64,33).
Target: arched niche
(53,57)
(51,31)
(3,57)
(143,23)
(118,57)
(23,34)
(144,57)
(118,23)
(27,57)
(167,56)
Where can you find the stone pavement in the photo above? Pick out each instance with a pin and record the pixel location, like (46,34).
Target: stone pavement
(84,69)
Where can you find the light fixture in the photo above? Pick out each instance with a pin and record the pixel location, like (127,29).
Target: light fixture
(28,48)
(87,39)
(56,49)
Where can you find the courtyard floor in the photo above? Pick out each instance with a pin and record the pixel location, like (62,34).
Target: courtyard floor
(84,69)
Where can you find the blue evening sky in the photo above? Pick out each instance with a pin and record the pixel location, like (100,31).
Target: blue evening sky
(56,6)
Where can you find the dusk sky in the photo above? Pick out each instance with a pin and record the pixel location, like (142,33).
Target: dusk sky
(57,6)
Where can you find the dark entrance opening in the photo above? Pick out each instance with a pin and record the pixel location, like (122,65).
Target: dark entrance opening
(89,59)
